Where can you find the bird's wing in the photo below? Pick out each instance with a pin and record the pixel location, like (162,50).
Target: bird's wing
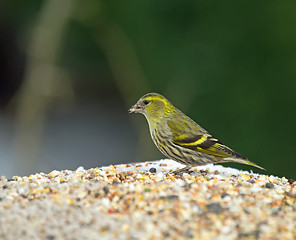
(198,139)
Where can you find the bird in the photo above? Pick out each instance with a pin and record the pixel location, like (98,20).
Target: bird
(180,138)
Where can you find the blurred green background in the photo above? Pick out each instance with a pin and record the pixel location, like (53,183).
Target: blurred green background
(70,69)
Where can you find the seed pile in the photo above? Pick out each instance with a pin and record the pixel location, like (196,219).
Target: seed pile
(147,201)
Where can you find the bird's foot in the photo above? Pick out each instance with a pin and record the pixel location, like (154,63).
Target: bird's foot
(178,171)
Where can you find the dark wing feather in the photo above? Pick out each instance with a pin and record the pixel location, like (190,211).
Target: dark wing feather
(201,141)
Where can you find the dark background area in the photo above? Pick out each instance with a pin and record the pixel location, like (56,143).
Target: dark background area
(69,71)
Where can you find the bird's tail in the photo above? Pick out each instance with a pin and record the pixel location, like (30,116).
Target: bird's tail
(244,161)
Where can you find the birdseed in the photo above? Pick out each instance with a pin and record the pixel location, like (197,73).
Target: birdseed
(130,201)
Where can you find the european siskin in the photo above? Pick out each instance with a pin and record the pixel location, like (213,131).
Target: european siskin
(180,138)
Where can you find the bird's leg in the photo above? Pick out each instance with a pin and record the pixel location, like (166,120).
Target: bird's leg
(182,169)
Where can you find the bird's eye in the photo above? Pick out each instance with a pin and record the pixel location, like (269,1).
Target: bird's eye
(146,102)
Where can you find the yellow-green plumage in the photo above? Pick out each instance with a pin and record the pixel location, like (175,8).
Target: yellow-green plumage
(180,138)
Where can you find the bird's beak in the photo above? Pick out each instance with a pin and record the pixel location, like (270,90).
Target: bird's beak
(135,109)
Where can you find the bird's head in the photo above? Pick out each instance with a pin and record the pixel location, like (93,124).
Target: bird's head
(153,106)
